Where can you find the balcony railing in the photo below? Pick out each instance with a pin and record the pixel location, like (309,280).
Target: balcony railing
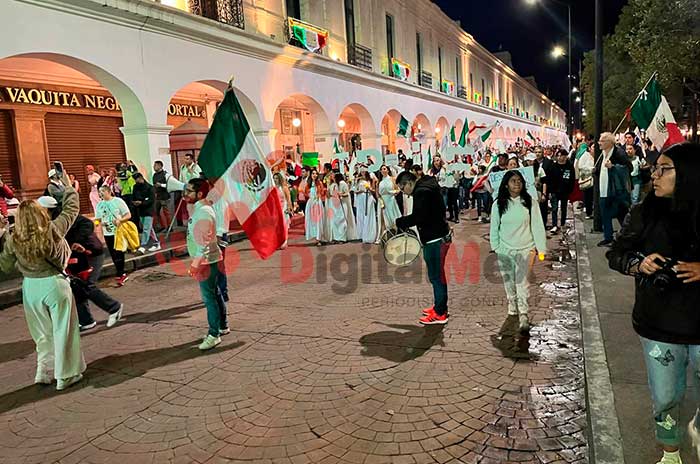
(462,92)
(425,79)
(360,56)
(225,11)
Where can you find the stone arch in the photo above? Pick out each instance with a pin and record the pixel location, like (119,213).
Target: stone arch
(390,142)
(356,120)
(442,127)
(314,126)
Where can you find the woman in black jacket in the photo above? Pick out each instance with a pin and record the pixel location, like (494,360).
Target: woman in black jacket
(660,246)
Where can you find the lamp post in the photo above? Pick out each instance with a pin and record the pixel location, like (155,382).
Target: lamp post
(559,53)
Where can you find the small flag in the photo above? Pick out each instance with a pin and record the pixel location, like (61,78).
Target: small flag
(489,130)
(403,127)
(234,163)
(428,161)
(531,137)
(652,113)
(336,149)
(465,133)
(453,137)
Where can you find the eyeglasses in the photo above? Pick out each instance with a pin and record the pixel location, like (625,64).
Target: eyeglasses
(659,170)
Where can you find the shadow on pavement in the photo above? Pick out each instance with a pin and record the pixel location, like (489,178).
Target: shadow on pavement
(22,348)
(510,342)
(113,370)
(410,343)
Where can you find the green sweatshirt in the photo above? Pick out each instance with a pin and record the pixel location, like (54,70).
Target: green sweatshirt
(518,229)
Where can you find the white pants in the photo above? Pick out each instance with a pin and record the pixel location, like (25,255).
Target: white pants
(515,267)
(53,325)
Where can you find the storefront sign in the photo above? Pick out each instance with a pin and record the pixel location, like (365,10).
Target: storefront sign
(57,98)
(188,111)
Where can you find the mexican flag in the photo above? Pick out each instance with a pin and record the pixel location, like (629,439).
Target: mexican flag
(403,127)
(476,128)
(233,162)
(489,130)
(453,137)
(336,149)
(312,38)
(428,161)
(531,139)
(465,133)
(652,113)
(482,180)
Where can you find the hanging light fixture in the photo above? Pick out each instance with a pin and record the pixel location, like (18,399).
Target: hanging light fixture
(296,122)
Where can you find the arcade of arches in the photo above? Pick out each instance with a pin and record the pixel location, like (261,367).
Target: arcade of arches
(51,111)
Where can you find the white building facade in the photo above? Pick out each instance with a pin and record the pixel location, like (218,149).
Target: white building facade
(99,81)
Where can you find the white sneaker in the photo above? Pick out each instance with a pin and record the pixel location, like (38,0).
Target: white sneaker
(115,317)
(43,377)
(554,230)
(671,458)
(141,250)
(694,435)
(154,248)
(209,343)
(89,326)
(62,384)
(225,331)
(524,324)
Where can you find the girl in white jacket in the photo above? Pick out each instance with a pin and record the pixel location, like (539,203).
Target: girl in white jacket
(517,231)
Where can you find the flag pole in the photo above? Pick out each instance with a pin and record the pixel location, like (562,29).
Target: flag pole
(635,101)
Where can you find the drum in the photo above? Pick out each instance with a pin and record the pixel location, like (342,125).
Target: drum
(400,248)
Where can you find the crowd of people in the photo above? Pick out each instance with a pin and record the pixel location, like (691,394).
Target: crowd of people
(654,197)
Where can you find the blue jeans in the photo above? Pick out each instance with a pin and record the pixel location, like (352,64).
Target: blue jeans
(636,189)
(434,257)
(148,235)
(609,209)
(667,364)
(208,277)
(556,202)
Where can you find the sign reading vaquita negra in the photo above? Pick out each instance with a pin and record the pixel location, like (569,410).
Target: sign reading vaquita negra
(63,99)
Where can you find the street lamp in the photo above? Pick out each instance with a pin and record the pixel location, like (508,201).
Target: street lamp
(578,100)
(559,54)
(574,90)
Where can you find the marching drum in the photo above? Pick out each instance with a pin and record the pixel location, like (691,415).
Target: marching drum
(400,248)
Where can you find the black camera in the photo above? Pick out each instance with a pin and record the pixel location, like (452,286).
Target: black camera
(664,278)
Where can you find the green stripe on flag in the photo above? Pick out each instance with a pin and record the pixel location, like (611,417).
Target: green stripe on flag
(453,137)
(486,135)
(465,132)
(225,138)
(403,127)
(644,109)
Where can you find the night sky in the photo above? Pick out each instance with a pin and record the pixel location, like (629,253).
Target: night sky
(530,32)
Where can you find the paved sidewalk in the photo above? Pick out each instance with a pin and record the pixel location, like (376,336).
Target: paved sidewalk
(332,368)
(615,298)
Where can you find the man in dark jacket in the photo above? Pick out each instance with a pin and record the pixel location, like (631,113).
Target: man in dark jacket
(144,200)
(429,216)
(611,165)
(560,184)
(85,263)
(162,200)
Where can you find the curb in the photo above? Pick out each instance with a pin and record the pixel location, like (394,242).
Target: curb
(13,296)
(605,438)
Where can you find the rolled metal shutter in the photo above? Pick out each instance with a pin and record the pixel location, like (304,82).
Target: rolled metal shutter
(8,153)
(78,140)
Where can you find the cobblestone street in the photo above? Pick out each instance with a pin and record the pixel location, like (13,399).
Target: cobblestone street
(325,363)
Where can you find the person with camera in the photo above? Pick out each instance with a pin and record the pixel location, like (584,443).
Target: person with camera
(660,246)
(39,251)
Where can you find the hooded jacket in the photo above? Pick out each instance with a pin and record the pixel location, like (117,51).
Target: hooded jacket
(428,211)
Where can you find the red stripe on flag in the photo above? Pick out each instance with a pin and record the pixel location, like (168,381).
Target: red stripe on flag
(265,226)
(674,135)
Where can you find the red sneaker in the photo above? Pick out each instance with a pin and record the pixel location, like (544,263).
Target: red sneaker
(429,311)
(122,280)
(433,319)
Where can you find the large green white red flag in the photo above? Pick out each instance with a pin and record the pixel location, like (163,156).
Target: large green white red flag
(652,113)
(484,136)
(233,162)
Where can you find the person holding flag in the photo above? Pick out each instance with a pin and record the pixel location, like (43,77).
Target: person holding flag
(233,162)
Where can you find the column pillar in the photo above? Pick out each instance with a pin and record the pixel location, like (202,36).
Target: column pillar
(146,144)
(372,140)
(266,139)
(32,151)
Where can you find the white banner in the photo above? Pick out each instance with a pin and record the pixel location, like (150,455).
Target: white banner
(495,178)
